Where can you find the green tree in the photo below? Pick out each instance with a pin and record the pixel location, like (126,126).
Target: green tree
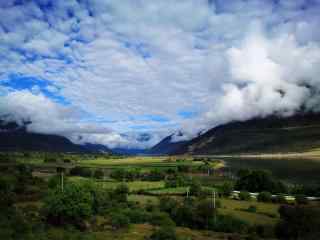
(99,174)
(205,212)
(121,193)
(244,196)
(264,197)
(164,233)
(119,220)
(301,199)
(226,189)
(73,205)
(161,219)
(299,223)
(195,188)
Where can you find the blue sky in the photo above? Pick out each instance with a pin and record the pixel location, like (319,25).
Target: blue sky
(110,71)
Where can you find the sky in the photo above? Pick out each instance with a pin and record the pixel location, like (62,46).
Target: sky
(126,73)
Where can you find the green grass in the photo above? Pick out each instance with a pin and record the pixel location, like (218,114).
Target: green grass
(135,232)
(145,162)
(133,186)
(136,185)
(234,207)
(124,161)
(177,190)
(164,191)
(143,199)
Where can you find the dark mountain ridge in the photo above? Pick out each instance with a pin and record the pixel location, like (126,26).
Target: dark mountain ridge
(298,133)
(14,137)
(166,146)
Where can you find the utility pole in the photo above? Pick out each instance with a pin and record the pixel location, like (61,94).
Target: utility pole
(62,181)
(188,193)
(61,171)
(213,198)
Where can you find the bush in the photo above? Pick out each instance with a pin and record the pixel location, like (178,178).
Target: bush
(161,219)
(120,194)
(226,189)
(252,209)
(259,180)
(301,199)
(164,233)
(55,182)
(154,175)
(263,231)
(73,205)
(99,174)
(244,196)
(102,200)
(204,212)
(299,222)
(81,171)
(118,174)
(229,224)
(7,194)
(168,205)
(264,197)
(195,188)
(280,199)
(119,220)
(138,215)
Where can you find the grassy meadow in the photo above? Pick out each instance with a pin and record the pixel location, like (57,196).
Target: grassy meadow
(149,180)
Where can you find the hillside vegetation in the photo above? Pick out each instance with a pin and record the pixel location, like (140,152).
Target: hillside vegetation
(296,134)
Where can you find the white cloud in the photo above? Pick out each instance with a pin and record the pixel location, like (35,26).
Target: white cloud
(123,60)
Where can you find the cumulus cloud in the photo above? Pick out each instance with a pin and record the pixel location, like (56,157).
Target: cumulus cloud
(116,67)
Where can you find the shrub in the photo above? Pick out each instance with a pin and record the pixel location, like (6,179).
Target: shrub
(119,220)
(259,180)
(118,174)
(264,197)
(7,195)
(195,188)
(155,175)
(280,199)
(244,196)
(161,219)
(204,212)
(99,174)
(138,215)
(120,194)
(226,189)
(229,224)
(252,209)
(72,205)
(164,233)
(168,205)
(185,215)
(50,159)
(299,222)
(55,182)
(81,171)
(301,199)
(102,200)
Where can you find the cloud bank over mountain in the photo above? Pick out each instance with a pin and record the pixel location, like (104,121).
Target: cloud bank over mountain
(108,71)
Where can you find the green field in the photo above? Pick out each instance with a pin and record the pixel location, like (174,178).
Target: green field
(262,216)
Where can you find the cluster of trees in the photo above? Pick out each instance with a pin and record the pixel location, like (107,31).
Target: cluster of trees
(299,222)
(259,181)
(137,174)
(177,180)
(87,172)
(78,202)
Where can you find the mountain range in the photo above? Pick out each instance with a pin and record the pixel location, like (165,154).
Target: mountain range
(14,137)
(295,134)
